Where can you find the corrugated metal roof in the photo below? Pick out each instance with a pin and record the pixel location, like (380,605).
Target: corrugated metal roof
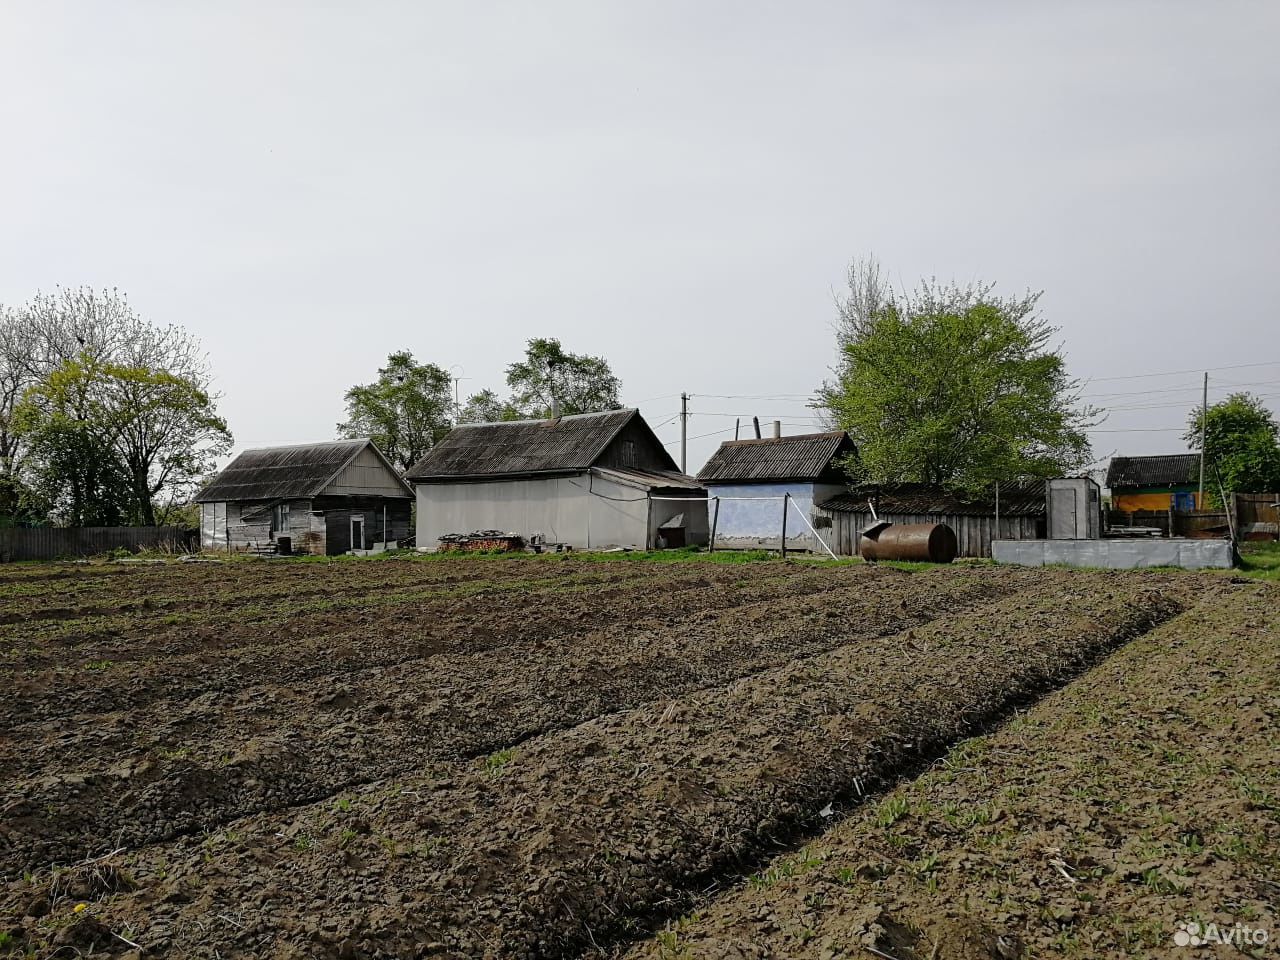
(566,445)
(802,457)
(649,478)
(282,473)
(1170,470)
(1025,499)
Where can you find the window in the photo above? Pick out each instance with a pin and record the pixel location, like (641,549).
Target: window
(280,517)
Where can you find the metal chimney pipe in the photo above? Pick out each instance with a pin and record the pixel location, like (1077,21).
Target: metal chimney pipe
(777,429)
(555,408)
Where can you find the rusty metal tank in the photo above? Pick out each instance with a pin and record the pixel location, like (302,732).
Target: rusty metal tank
(928,542)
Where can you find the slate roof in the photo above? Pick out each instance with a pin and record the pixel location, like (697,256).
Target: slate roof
(802,457)
(521,447)
(1171,470)
(1025,499)
(652,479)
(285,473)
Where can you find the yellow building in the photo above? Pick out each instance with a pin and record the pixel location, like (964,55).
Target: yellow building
(1155,483)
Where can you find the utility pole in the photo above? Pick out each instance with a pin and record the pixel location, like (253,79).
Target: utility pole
(1204,423)
(456,375)
(684,432)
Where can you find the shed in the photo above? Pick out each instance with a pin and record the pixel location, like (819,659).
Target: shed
(751,478)
(315,498)
(588,481)
(1022,513)
(1162,483)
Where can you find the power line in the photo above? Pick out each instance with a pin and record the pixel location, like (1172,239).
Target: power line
(1174,373)
(1213,386)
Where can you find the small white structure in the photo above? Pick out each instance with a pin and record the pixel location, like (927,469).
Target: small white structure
(1074,508)
(590,481)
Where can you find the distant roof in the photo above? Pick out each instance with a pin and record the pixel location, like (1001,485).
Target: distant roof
(281,473)
(1023,499)
(521,447)
(1170,470)
(802,457)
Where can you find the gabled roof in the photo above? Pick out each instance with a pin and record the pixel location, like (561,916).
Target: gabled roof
(802,457)
(1025,499)
(523,447)
(1170,470)
(292,472)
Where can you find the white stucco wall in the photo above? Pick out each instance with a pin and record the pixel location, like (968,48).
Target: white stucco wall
(585,512)
(751,522)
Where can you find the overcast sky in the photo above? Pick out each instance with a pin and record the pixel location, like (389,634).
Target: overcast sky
(677,187)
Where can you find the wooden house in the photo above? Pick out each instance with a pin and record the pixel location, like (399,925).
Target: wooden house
(1022,513)
(751,478)
(315,498)
(588,481)
(1161,483)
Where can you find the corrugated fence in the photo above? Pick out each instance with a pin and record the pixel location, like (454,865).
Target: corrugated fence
(54,543)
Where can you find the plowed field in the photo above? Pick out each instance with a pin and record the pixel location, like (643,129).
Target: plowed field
(499,757)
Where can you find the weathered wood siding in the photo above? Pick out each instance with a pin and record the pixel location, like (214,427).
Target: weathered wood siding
(635,447)
(337,522)
(973,534)
(1256,516)
(367,476)
(53,543)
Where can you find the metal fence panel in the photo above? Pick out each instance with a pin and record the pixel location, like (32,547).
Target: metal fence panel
(54,543)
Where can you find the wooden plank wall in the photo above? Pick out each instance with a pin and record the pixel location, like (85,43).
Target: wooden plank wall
(1256,517)
(973,534)
(53,543)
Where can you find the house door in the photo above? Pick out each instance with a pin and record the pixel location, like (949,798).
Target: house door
(357,533)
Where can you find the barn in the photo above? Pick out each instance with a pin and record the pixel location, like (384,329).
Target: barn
(751,478)
(1021,514)
(315,498)
(588,481)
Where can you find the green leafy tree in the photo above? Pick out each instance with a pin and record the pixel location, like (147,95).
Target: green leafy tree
(1242,443)
(73,468)
(582,384)
(405,411)
(485,407)
(89,327)
(120,443)
(951,386)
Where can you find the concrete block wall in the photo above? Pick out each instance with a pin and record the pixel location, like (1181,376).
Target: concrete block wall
(1117,554)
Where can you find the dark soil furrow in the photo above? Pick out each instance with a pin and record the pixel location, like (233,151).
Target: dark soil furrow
(279,748)
(296,654)
(1091,825)
(577,835)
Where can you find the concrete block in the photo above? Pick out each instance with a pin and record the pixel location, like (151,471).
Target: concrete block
(1116,554)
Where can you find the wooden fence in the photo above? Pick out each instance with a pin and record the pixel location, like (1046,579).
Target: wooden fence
(973,534)
(1253,516)
(1257,517)
(55,543)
